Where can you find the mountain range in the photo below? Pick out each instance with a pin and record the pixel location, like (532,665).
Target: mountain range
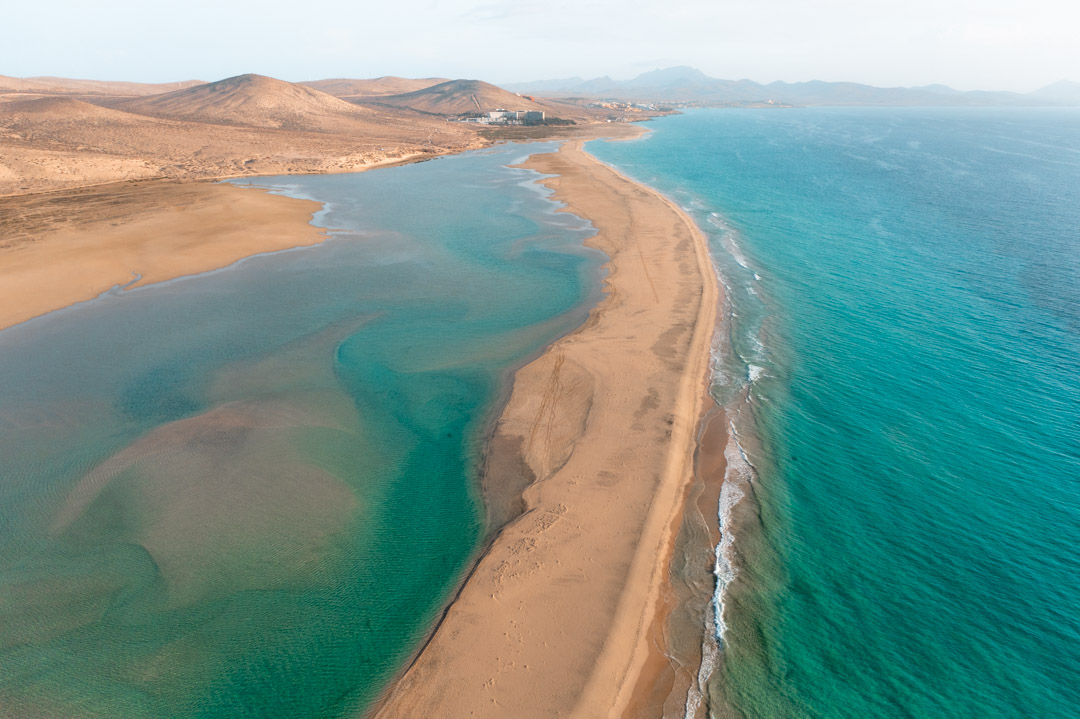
(688,85)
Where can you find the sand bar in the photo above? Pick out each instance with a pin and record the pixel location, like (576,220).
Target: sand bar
(64,247)
(557,617)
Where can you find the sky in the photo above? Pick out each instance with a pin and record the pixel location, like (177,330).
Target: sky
(968,44)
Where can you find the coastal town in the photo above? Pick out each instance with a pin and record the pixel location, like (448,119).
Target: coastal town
(502,116)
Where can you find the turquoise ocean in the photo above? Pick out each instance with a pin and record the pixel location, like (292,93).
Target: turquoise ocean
(899,362)
(248,493)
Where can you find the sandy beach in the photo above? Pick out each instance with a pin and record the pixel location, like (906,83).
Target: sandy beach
(560,615)
(65,247)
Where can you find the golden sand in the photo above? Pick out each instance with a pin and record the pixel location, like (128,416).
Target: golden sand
(66,247)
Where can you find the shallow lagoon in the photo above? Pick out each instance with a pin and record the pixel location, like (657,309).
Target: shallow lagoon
(248,493)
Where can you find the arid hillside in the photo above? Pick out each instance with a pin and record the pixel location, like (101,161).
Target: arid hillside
(247,125)
(67,86)
(253,101)
(379,86)
(57,133)
(458,97)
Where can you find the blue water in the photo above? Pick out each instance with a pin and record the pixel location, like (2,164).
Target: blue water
(900,360)
(248,493)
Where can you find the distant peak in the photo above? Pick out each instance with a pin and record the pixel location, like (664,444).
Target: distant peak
(1063,91)
(246,79)
(677,71)
(936,87)
(248,82)
(670,75)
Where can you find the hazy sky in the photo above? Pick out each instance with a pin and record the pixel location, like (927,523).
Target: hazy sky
(969,44)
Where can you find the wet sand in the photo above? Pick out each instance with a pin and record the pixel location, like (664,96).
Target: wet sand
(561,615)
(60,248)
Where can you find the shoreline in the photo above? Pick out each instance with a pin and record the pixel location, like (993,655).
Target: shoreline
(149,232)
(683,621)
(509,641)
(66,246)
(407,159)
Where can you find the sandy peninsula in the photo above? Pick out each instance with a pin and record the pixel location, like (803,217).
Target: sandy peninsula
(64,247)
(559,615)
